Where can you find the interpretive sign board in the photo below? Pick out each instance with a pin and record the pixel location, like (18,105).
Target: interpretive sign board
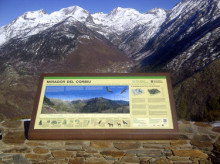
(104,106)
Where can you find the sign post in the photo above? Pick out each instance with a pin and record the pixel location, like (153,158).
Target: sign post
(104,106)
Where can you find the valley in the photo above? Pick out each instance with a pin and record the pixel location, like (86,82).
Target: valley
(183,41)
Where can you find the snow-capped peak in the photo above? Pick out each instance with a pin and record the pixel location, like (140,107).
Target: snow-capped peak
(24,25)
(34,14)
(118,20)
(122,12)
(156,11)
(77,12)
(73,10)
(32,22)
(124,19)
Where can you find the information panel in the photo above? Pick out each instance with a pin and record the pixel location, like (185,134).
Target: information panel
(135,105)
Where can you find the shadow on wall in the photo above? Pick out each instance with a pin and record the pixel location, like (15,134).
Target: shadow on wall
(26,127)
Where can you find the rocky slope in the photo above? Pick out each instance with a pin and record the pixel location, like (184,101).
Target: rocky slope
(68,46)
(197,97)
(191,33)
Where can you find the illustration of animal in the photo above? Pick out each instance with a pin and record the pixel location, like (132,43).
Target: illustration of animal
(125,123)
(124,90)
(119,124)
(110,125)
(108,89)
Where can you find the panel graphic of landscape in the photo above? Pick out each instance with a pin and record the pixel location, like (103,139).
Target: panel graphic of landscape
(86,99)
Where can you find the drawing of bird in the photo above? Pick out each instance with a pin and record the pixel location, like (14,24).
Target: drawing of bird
(108,89)
(125,123)
(124,90)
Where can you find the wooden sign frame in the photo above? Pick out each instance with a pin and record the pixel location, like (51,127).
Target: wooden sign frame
(149,82)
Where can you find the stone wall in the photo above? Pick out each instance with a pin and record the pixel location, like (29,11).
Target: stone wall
(199,143)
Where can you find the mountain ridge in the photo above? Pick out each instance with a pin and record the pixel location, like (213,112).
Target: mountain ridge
(183,41)
(91,105)
(49,20)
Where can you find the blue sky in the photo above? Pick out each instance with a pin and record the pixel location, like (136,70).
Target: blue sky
(11,9)
(87,92)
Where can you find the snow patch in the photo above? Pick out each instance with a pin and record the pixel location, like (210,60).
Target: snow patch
(84,37)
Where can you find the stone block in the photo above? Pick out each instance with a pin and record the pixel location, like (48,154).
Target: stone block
(37,156)
(115,154)
(127,145)
(74,143)
(130,155)
(12,124)
(16,137)
(74,148)
(62,154)
(203,142)
(201,137)
(179,142)
(52,161)
(100,144)
(8,161)
(3,155)
(156,142)
(183,162)
(20,159)
(94,159)
(177,158)
(17,150)
(77,160)
(190,153)
(205,145)
(83,154)
(35,143)
(130,159)
(143,161)
(147,153)
(163,161)
(156,146)
(204,161)
(55,144)
(70,143)
(97,162)
(91,150)
(204,130)
(39,150)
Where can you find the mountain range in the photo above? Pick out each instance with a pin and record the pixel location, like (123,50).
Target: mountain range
(184,41)
(92,105)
